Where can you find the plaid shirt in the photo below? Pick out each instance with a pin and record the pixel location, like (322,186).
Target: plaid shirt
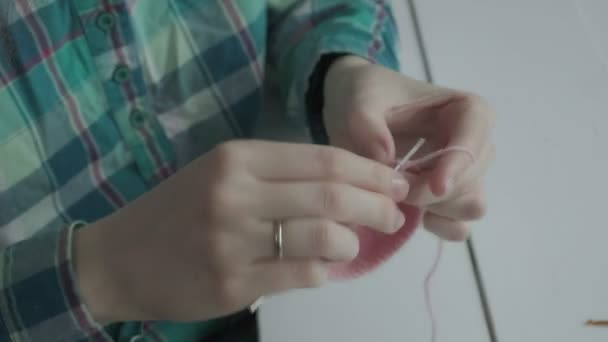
(100,100)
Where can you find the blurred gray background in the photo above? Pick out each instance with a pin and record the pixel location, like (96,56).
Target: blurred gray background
(537,266)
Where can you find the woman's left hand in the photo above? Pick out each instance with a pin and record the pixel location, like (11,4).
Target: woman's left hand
(378,113)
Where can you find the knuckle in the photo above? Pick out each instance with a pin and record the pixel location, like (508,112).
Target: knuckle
(331,199)
(460,234)
(474,99)
(219,254)
(329,159)
(471,100)
(476,208)
(223,201)
(228,157)
(477,102)
(323,238)
(217,204)
(313,274)
(383,177)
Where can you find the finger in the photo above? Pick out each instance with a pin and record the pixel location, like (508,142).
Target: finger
(404,116)
(467,207)
(281,275)
(371,137)
(420,192)
(304,162)
(446,228)
(337,202)
(468,119)
(310,239)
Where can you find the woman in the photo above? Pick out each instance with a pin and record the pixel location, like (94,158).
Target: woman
(134,204)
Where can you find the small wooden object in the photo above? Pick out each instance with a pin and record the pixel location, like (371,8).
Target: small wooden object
(594,323)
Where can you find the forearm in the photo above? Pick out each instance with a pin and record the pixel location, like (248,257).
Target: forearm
(315,94)
(357,28)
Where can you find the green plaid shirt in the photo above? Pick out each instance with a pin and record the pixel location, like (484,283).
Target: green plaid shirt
(100,100)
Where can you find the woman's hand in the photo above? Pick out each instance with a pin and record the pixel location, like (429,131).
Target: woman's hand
(201,244)
(380,114)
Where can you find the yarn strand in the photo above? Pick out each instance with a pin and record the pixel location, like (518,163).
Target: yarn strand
(405,164)
(427,290)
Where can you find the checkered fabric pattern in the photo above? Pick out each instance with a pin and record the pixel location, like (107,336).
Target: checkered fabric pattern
(100,100)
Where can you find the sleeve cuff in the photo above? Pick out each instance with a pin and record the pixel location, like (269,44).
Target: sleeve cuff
(303,96)
(39,299)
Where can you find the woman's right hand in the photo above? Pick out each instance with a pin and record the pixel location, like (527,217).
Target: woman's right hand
(201,244)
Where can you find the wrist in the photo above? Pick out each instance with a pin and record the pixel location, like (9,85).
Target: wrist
(338,73)
(94,276)
(315,95)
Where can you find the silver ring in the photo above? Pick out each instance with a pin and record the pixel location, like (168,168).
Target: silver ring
(278,238)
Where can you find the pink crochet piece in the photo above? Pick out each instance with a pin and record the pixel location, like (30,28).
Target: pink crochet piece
(375,248)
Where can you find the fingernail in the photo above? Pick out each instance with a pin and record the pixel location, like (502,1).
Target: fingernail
(400,187)
(400,221)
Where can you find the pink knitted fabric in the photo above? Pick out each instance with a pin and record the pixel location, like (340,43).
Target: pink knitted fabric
(375,248)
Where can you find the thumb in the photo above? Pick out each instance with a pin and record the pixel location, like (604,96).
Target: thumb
(372,137)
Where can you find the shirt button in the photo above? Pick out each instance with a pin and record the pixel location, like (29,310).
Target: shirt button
(105,21)
(137,118)
(121,74)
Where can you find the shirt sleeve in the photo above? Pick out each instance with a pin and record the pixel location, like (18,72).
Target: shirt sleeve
(38,297)
(302,32)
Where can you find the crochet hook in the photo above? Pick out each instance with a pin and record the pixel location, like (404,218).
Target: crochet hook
(253,307)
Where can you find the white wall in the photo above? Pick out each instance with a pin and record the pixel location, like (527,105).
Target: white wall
(543,247)
(388,305)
